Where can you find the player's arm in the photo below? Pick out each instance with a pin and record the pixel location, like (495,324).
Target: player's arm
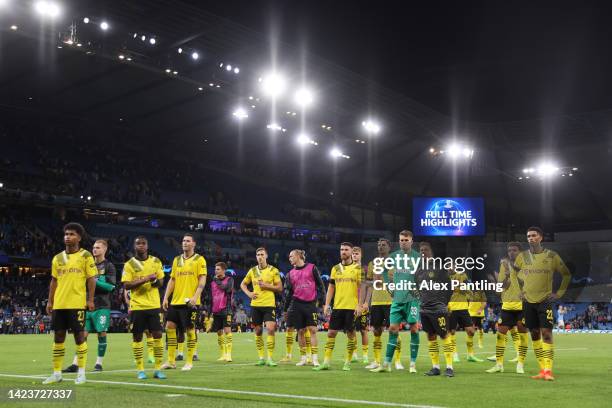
(331,289)
(566,276)
(287,293)
(276,286)
(201,284)
(52,288)
(107,282)
(244,287)
(169,290)
(91,288)
(367,288)
(90,272)
(131,284)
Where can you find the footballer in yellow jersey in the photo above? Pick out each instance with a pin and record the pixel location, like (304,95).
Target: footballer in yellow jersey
(380,304)
(535,272)
(72,290)
(143,275)
(511,317)
(343,288)
(362,321)
(187,281)
(478,303)
(266,282)
(460,317)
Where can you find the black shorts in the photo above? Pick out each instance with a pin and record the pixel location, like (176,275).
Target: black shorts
(342,319)
(141,320)
(220,321)
(477,321)
(261,315)
(302,314)
(68,319)
(184,317)
(538,315)
(361,323)
(510,318)
(435,323)
(459,318)
(379,315)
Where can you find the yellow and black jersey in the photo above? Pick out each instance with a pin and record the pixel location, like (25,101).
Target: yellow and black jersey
(536,271)
(72,272)
(145,296)
(270,275)
(346,280)
(186,273)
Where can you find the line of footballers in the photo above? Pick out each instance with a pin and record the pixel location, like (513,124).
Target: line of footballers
(81,283)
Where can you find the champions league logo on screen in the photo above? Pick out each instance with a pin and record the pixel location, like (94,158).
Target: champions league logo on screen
(452,216)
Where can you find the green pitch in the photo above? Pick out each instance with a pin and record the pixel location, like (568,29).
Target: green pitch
(583,369)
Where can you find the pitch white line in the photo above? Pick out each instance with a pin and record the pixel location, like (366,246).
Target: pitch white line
(242,392)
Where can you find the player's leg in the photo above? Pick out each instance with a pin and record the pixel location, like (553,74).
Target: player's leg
(78,329)
(532,322)
(259,344)
(365,345)
(545,314)
(220,341)
(228,338)
(101,325)
(500,343)
(452,326)
(189,318)
(336,323)
(172,320)
(470,331)
(478,325)
(289,339)
(301,334)
(180,343)
(138,326)
(158,349)
(351,345)
(434,354)
(523,344)
(514,333)
(311,333)
(59,349)
(415,340)
(270,338)
(308,342)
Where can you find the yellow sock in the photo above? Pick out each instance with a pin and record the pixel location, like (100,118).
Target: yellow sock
(289,338)
(470,345)
(351,345)
(364,350)
(58,356)
(191,344)
(523,344)
(329,348)
(270,340)
(260,346)
(228,344)
(221,343)
(537,349)
(303,351)
(453,342)
(81,351)
(447,347)
(314,351)
(150,346)
(434,353)
(171,339)
(181,347)
(480,337)
(377,349)
(158,352)
(516,340)
(500,348)
(397,354)
(137,349)
(308,343)
(548,353)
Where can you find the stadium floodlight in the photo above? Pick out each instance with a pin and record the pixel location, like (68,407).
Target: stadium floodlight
(372,127)
(168,70)
(195,55)
(47,8)
(236,70)
(273,84)
(240,113)
(143,38)
(303,97)
(152,41)
(335,152)
(14,27)
(228,67)
(86,20)
(180,50)
(274,126)
(547,169)
(121,56)
(304,140)
(1,185)
(104,26)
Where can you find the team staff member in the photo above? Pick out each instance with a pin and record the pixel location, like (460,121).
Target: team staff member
(220,308)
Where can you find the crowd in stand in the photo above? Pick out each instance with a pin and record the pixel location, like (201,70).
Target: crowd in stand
(597,316)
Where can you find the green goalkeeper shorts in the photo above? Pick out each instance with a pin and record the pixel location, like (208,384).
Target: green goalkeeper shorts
(97,321)
(406,312)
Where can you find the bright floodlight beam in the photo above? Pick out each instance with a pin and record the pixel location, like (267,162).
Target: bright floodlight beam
(335,153)
(304,97)
(195,55)
(240,113)
(273,84)
(104,26)
(152,40)
(304,140)
(547,169)
(47,8)
(371,126)
(86,20)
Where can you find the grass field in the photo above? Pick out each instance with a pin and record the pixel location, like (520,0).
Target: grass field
(583,368)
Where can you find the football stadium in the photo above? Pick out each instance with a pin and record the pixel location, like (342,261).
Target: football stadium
(305,204)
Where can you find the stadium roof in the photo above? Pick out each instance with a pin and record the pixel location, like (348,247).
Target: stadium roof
(183,110)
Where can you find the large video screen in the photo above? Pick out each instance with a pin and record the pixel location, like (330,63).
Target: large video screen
(448,216)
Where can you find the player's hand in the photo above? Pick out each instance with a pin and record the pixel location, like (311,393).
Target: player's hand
(193,302)
(358,310)
(262,284)
(151,277)
(326,310)
(49,308)
(365,308)
(90,305)
(285,316)
(165,305)
(553,297)
(253,295)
